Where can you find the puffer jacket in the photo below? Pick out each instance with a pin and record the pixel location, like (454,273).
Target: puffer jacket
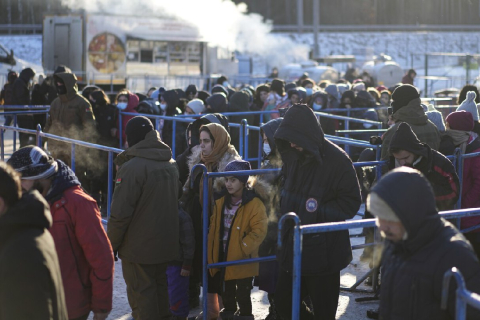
(84,252)
(414,115)
(248,229)
(144,214)
(413,269)
(31,282)
(321,185)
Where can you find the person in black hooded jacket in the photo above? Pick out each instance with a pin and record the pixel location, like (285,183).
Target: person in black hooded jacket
(420,247)
(31,282)
(239,103)
(320,186)
(407,150)
(172,98)
(21,97)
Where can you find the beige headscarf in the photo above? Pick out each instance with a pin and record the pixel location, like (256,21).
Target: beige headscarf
(221,145)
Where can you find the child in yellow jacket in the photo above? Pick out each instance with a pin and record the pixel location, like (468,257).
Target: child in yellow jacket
(237,228)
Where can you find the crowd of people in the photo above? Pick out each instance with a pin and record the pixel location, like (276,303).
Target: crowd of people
(55,253)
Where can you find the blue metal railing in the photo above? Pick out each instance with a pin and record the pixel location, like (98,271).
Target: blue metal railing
(463,297)
(39,135)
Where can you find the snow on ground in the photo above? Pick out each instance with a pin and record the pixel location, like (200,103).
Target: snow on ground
(26,47)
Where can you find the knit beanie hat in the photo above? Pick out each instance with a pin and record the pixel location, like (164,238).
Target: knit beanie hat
(218,88)
(469,105)
(460,120)
(405,139)
(136,129)
(33,163)
(238,165)
(436,117)
(403,95)
(196,105)
(191,89)
(380,209)
(278,86)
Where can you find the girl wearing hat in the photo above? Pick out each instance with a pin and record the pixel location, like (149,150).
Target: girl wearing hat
(237,228)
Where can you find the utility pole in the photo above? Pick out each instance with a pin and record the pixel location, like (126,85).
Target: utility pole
(316,22)
(300,15)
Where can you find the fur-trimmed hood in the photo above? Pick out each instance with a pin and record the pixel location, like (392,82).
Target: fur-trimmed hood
(261,188)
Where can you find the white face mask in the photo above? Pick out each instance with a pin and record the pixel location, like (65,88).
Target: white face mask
(317,107)
(122,105)
(163,106)
(267,149)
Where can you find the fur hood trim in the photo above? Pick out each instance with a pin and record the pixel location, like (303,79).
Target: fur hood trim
(262,189)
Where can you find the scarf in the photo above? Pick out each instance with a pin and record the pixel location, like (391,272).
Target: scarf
(221,145)
(460,138)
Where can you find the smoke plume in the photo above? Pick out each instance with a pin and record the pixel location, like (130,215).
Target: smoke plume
(222,23)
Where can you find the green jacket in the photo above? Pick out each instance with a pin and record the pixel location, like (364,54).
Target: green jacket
(414,115)
(143,226)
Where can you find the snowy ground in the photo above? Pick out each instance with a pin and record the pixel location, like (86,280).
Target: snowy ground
(348,309)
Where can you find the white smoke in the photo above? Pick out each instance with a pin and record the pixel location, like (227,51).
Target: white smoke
(222,23)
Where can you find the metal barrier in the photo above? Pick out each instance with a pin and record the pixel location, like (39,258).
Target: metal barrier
(463,297)
(39,135)
(14,114)
(300,230)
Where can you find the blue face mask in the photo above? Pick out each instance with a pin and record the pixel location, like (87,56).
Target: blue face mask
(266,148)
(122,105)
(309,91)
(225,84)
(317,107)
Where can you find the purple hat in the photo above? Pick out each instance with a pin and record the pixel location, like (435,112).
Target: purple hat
(238,165)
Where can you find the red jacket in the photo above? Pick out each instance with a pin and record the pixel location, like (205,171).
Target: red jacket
(84,253)
(471,185)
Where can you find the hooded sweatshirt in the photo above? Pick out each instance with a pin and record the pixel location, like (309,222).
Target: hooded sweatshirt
(414,115)
(439,171)
(31,282)
(146,181)
(172,98)
(239,103)
(320,186)
(21,93)
(413,269)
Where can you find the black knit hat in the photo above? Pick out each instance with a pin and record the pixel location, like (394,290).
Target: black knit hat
(191,89)
(278,86)
(405,139)
(403,95)
(33,163)
(239,165)
(136,129)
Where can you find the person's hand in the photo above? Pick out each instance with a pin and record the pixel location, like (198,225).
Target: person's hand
(185,273)
(100,316)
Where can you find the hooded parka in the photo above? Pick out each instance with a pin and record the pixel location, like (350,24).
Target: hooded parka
(144,210)
(320,186)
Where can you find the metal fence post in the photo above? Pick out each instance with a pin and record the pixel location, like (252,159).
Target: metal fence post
(245,141)
(15,133)
(39,137)
(460,161)
(260,148)
(205,241)
(241,138)
(72,158)
(110,182)
(347,127)
(174,138)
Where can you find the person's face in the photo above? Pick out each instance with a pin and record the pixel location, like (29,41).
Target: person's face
(41,185)
(293,145)
(265,139)
(391,121)
(91,98)
(263,95)
(393,231)
(122,99)
(295,99)
(234,186)
(413,75)
(191,96)
(309,86)
(404,158)
(206,143)
(385,99)
(347,101)
(59,84)
(188,110)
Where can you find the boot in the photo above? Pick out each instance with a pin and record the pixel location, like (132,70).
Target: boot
(272,311)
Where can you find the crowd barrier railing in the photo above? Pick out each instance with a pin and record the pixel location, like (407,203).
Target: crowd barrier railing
(40,134)
(15,114)
(463,296)
(300,230)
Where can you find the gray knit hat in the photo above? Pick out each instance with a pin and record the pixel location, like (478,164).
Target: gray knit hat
(196,105)
(436,117)
(33,163)
(469,105)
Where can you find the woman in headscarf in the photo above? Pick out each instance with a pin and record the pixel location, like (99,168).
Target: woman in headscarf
(215,152)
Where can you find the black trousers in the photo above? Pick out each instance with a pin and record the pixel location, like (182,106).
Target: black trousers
(323,291)
(233,292)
